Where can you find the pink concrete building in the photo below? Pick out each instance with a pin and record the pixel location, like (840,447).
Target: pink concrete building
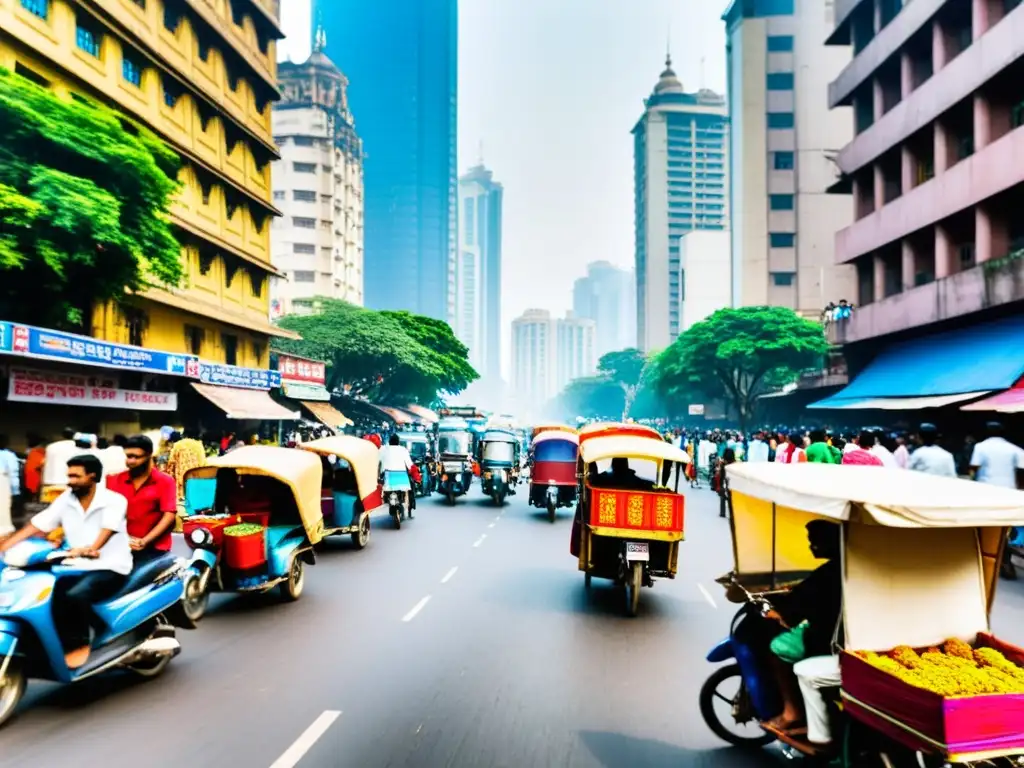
(936,165)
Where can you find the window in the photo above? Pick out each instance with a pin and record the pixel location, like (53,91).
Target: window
(780,81)
(131,71)
(780,120)
(136,321)
(40,8)
(468,215)
(304,141)
(279,194)
(781,202)
(773,8)
(303,248)
(783,161)
(304,195)
(30,74)
(783,279)
(1017,115)
(256,281)
(172,16)
(304,276)
(781,239)
(87,39)
(172,91)
(257,350)
(204,47)
(780,43)
(303,223)
(304,167)
(194,339)
(230,344)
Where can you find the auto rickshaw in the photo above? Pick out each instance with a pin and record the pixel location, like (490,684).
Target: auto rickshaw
(420,449)
(542,428)
(349,490)
(628,525)
(256,513)
(553,478)
(498,455)
(920,558)
(455,458)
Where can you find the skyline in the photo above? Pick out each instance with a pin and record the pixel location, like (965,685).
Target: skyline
(589,68)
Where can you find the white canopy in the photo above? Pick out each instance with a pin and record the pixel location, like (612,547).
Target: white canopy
(603,448)
(898,498)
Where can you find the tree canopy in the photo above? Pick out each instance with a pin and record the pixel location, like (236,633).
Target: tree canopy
(738,354)
(619,389)
(84,196)
(387,357)
(626,368)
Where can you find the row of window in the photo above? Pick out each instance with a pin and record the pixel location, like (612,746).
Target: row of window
(195,337)
(780,81)
(781,202)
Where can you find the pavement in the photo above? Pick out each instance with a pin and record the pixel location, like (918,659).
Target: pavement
(465,639)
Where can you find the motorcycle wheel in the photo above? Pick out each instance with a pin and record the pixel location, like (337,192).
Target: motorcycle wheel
(450,498)
(12,688)
(187,612)
(396,518)
(708,694)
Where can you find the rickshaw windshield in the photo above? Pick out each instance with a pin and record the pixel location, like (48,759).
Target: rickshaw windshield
(417,448)
(495,451)
(455,442)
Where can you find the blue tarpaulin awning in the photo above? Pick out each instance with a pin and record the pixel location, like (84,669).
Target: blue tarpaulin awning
(937,370)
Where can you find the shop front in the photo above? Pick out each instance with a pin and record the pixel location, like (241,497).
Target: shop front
(304,382)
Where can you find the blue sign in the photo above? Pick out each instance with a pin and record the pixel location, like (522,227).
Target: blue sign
(6,332)
(234,376)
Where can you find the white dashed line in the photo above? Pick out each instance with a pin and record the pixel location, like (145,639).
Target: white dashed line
(416,609)
(480,541)
(448,576)
(707,596)
(492,525)
(305,742)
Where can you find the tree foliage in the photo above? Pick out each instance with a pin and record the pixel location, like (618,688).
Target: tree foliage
(387,357)
(593,397)
(738,354)
(620,385)
(627,368)
(84,195)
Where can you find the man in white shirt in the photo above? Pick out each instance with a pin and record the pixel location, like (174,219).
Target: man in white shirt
(55,462)
(395,457)
(996,460)
(931,458)
(883,453)
(94,523)
(758,449)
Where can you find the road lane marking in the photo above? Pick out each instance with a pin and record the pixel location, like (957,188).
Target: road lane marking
(416,609)
(707,596)
(497,518)
(492,525)
(308,738)
(480,541)
(448,576)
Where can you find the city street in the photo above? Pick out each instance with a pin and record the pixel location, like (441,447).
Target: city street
(465,639)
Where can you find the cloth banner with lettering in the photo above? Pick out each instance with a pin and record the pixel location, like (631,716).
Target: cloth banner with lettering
(31,386)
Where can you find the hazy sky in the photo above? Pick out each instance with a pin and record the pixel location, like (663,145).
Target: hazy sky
(552,88)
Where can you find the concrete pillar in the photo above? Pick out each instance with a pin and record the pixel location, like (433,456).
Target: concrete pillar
(879,178)
(876,21)
(991,237)
(982,122)
(909,265)
(943,253)
(984,14)
(877,98)
(907,168)
(940,46)
(943,153)
(906,75)
(879,284)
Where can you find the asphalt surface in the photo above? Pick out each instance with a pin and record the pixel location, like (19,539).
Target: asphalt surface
(465,639)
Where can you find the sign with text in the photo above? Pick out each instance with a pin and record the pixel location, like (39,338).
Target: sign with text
(29,386)
(306,371)
(696,410)
(235,376)
(6,340)
(72,348)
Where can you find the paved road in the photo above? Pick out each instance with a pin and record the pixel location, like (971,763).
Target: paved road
(465,639)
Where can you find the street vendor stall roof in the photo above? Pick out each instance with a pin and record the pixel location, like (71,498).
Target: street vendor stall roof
(397,414)
(891,497)
(327,414)
(957,365)
(424,414)
(1010,401)
(244,404)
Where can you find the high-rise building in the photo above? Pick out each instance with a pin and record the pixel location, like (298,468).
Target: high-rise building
(318,185)
(680,146)
(400,57)
(782,143)
(607,295)
(575,353)
(533,357)
(476,319)
(704,263)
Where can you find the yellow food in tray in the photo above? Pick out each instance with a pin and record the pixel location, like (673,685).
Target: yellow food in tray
(954,670)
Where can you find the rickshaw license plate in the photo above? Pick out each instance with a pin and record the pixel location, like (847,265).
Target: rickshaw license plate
(637,551)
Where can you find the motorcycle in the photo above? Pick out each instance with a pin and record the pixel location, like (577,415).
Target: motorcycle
(140,618)
(396,488)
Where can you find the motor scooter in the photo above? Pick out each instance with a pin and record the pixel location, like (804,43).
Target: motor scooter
(140,620)
(397,493)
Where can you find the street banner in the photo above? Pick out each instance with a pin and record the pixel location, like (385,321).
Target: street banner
(306,371)
(31,386)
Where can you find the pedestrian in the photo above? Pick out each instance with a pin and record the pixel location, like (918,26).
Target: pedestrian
(793,451)
(995,460)
(930,457)
(861,453)
(759,450)
(901,454)
(34,466)
(881,450)
(729,457)
(819,451)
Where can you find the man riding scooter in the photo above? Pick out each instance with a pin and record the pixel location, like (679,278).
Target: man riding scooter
(395,457)
(93,519)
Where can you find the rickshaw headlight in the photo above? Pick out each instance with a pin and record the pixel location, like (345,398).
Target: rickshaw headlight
(393,498)
(201,537)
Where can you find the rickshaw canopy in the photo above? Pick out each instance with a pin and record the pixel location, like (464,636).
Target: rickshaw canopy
(363,455)
(613,428)
(565,437)
(498,436)
(540,429)
(921,553)
(631,447)
(298,470)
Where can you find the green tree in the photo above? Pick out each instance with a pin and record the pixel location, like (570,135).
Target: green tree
(738,354)
(593,397)
(627,369)
(387,357)
(84,197)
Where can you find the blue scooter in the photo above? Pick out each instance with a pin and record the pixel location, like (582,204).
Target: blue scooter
(140,620)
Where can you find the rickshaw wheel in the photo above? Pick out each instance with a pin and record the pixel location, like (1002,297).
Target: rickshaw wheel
(450,498)
(708,694)
(634,582)
(192,606)
(291,588)
(362,537)
(552,510)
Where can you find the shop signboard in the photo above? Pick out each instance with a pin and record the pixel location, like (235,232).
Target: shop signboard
(30,386)
(306,371)
(235,376)
(71,348)
(6,340)
(696,409)
(299,390)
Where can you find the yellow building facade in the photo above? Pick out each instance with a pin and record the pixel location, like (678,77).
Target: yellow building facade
(201,74)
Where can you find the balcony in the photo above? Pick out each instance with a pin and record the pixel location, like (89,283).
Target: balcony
(988,285)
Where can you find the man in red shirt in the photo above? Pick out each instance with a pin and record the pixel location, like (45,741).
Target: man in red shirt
(152,500)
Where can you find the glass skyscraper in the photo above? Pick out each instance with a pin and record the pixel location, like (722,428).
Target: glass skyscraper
(680,185)
(401,61)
